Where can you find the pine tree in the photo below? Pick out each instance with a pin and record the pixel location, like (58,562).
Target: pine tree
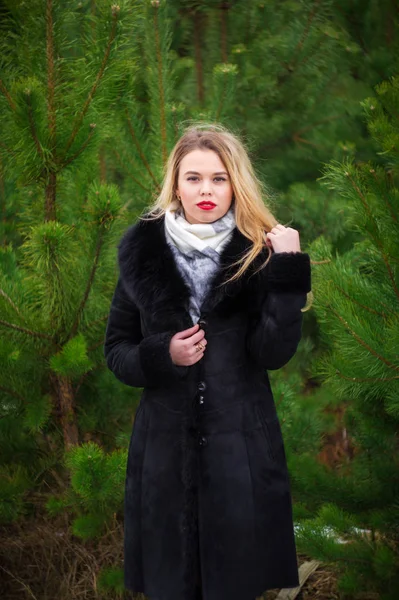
(357,306)
(62,73)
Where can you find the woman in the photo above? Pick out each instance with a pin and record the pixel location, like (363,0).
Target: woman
(210,295)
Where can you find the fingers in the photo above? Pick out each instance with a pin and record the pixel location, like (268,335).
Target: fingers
(187,332)
(197,337)
(278,227)
(188,340)
(196,357)
(191,345)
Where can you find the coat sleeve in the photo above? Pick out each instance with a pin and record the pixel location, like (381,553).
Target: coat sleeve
(136,360)
(275,322)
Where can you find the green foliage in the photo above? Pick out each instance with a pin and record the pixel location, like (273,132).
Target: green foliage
(37,414)
(14,482)
(224,88)
(357,308)
(363,563)
(103,205)
(88,526)
(72,361)
(48,256)
(381,117)
(111,580)
(97,485)
(56,506)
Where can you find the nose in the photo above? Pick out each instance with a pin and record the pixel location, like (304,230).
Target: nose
(205,188)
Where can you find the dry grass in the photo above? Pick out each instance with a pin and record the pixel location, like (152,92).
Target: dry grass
(41,560)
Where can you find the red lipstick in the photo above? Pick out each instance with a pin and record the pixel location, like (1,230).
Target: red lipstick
(206,205)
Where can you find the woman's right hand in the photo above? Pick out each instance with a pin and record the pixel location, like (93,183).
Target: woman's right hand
(182,346)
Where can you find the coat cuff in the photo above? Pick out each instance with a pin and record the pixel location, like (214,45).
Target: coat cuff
(156,361)
(289,272)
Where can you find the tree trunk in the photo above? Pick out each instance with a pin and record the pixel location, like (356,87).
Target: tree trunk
(66,410)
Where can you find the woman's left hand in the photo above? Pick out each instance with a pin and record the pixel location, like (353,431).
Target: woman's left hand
(283,239)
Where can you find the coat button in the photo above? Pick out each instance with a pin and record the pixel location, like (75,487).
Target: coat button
(202,386)
(202,441)
(202,323)
(201,399)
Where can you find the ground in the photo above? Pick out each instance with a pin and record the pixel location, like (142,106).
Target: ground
(41,559)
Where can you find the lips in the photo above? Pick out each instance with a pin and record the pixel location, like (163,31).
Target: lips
(206,205)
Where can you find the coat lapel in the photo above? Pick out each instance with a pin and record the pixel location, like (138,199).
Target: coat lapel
(152,279)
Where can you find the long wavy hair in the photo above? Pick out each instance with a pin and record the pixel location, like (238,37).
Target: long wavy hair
(253,217)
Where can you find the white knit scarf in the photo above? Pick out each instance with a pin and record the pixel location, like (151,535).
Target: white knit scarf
(198,236)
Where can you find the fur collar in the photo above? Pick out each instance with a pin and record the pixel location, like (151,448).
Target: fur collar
(152,279)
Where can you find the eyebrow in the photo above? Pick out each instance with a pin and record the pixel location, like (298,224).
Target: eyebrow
(196,173)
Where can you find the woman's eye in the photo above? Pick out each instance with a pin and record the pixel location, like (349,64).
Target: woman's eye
(216,178)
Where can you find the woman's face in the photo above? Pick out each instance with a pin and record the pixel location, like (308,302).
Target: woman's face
(203,178)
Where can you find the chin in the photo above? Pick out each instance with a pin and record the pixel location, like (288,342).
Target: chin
(203,216)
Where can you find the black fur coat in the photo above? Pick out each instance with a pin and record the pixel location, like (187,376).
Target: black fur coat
(208,510)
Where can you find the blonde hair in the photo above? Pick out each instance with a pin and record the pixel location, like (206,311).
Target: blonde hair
(253,217)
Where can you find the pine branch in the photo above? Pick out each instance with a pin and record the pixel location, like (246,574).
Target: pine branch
(367,308)
(51,186)
(115,10)
(320,122)
(391,211)
(37,334)
(89,284)
(9,150)
(224,7)
(14,306)
(95,346)
(362,342)
(221,101)
(294,64)
(375,239)
(175,124)
(139,149)
(6,94)
(93,323)
(137,181)
(50,75)
(160,84)
(84,376)
(198,31)
(312,52)
(361,379)
(50,195)
(33,126)
(79,151)
(305,34)
(297,139)
(12,393)
(3,204)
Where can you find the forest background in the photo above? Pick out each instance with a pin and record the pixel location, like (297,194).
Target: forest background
(93,96)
